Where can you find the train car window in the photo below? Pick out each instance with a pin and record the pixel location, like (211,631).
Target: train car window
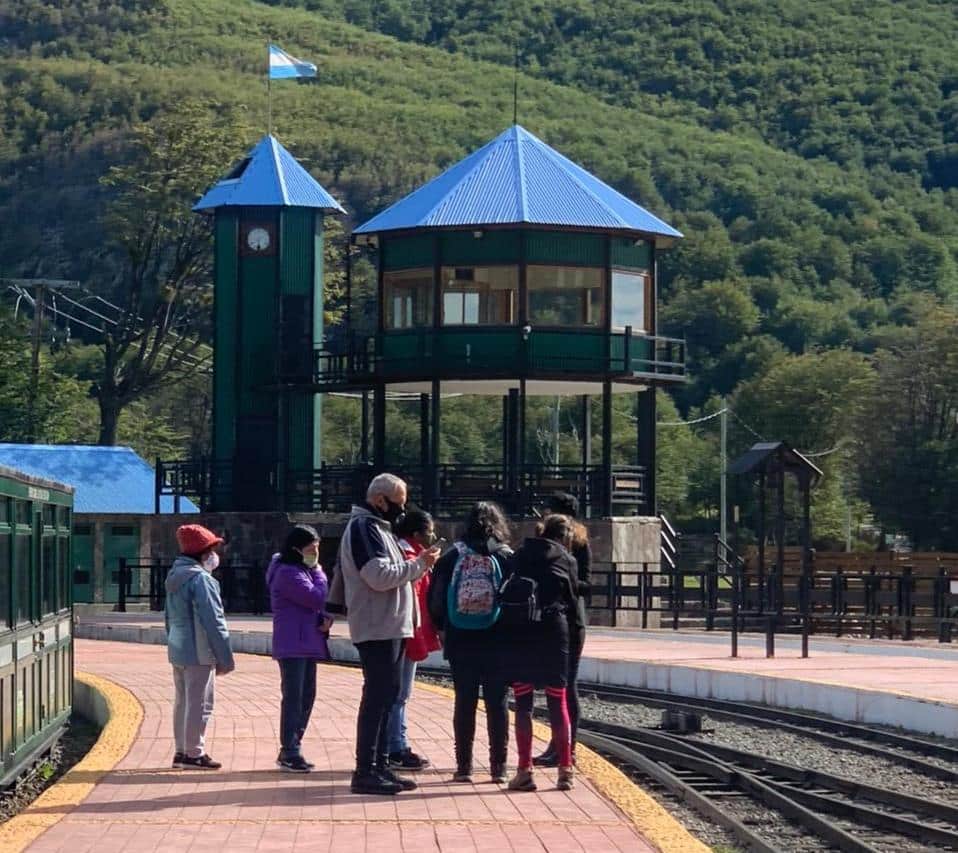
(22,572)
(4,510)
(49,515)
(48,576)
(22,512)
(6,579)
(63,517)
(123,531)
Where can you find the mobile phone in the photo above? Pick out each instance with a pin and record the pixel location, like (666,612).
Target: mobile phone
(440,543)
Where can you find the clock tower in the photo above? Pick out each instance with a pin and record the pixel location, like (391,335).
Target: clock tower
(268,315)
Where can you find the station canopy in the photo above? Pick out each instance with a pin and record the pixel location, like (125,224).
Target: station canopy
(517,179)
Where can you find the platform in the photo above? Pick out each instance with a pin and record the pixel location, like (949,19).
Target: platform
(909,684)
(142,805)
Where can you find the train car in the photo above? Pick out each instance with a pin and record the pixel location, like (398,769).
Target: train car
(36,618)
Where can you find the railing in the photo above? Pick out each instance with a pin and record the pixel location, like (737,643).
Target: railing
(242,585)
(498,351)
(730,595)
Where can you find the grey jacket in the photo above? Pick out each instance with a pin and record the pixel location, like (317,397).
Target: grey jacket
(196,632)
(374,580)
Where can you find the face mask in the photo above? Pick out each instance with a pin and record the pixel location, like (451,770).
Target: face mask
(310,560)
(393,513)
(212,562)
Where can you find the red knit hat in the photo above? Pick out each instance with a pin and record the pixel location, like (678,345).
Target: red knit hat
(195,539)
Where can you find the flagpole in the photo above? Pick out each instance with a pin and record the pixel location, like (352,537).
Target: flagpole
(269,95)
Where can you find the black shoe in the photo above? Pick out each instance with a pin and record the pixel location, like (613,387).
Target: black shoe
(549,758)
(203,762)
(372,783)
(296,764)
(404,782)
(178,760)
(280,761)
(497,772)
(408,760)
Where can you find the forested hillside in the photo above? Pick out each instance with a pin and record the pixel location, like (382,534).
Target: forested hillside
(808,150)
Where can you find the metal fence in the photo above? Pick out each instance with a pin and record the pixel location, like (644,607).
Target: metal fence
(242,585)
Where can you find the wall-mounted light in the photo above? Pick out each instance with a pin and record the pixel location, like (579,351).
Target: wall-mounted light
(638,241)
(526,331)
(478,234)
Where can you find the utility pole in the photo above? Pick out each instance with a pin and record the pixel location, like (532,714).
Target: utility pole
(723,496)
(39,286)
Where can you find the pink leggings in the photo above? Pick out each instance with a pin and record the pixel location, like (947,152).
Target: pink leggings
(558,720)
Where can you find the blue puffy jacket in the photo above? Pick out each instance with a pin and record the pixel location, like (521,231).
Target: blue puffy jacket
(196,631)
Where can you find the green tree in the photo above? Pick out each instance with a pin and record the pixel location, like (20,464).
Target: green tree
(162,280)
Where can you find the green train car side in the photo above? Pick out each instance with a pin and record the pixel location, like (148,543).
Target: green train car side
(36,618)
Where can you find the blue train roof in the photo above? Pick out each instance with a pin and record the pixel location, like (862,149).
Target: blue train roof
(106,479)
(517,179)
(269,176)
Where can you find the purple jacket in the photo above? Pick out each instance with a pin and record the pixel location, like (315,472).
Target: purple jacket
(298,599)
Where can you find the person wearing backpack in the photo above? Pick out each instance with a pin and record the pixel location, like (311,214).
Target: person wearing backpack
(536,601)
(463,607)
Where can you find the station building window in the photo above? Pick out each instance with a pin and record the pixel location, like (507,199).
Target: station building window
(631,295)
(480,296)
(566,296)
(407,298)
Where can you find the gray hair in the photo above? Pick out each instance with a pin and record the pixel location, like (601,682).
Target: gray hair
(385,485)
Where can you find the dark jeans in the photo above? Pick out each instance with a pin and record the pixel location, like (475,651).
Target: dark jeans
(298,681)
(382,666)
(467,676)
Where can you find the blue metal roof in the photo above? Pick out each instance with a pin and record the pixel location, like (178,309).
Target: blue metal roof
(515,179)
(269,176)
(106,479)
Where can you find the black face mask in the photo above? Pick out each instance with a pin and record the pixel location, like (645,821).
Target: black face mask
(393,513)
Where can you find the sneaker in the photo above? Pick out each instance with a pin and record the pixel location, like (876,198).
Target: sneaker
(280,761)
(296,764)
(404,782)
(463,774)
(202,762)
(523,781)
(549,758)
(566,779)
(373,783)
(498,773)
(408,760)
(178,760)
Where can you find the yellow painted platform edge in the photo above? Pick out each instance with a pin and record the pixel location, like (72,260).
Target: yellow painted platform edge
(114,742)
(653,822)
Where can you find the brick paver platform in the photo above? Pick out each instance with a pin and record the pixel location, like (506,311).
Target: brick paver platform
(144,806)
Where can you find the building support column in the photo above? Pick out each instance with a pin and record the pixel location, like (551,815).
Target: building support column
(512,443)
(425,450)
(364,427)
(645,423)
(520,474)
(435,431)
(607,448)
(379,428)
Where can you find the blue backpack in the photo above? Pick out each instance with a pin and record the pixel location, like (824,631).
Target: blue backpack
(472,600)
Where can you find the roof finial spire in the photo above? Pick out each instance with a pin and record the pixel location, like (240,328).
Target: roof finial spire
(515,88)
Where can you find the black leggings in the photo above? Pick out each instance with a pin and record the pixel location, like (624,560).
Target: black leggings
(467,676)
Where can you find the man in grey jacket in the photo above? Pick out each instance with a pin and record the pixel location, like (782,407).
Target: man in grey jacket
(375,583)
(197,640)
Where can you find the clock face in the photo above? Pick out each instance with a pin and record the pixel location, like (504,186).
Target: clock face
(258,239)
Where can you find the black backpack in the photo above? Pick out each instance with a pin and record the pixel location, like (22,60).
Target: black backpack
(519,600)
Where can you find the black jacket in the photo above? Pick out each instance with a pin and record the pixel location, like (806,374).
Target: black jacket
(583,559)
(539,653)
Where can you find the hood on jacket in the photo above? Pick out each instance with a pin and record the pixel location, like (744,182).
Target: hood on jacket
(271,568)
(542,550)
(184,569)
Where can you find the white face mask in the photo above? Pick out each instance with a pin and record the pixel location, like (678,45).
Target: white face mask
(310,560)
(211,563)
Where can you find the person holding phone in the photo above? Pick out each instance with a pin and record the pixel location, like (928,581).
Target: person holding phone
(297,593)
(415,532)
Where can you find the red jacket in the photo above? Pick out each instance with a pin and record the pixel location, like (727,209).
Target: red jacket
(426,638)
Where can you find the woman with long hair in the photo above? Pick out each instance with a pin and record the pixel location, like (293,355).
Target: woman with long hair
(416,532)
(474,652)
(297,592)
(537,641)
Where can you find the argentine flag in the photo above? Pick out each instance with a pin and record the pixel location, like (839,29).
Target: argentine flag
(282,66)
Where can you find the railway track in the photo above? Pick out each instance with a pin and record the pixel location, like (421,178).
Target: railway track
(905,750)
(844,813)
